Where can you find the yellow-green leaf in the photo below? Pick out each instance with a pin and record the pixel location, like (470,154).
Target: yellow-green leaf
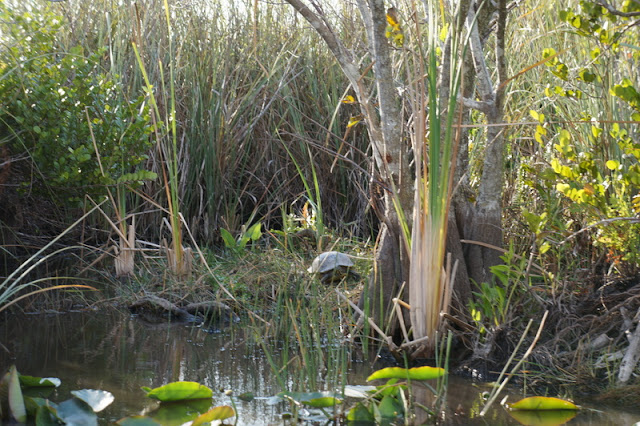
(179,391)
(222,412)
(613,164)
(354,120)
(349,100)
(416,373)
(323,402)
(543,418)
(543,403)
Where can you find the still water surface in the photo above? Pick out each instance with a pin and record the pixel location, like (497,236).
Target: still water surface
(120,353)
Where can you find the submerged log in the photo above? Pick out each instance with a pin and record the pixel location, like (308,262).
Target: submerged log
(212,311)
(156,306)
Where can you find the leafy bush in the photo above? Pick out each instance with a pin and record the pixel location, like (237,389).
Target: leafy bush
(594,160)
(49,98)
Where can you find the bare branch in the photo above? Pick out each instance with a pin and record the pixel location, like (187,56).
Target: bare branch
(612,10)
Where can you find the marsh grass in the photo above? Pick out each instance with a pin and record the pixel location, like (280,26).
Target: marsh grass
(253,125)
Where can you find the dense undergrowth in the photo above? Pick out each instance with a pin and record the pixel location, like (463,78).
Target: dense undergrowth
(263,137)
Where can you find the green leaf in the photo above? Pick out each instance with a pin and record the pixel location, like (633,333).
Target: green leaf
(246,397)
(180,391)
(543,418)
(416,373)
(30,381)
(137,421)
(313,399)
(360,413)
(227,238)
(613,165)
(254,232)
(16,401)
(323,402)
(222,412)
(543,403)
(390,407)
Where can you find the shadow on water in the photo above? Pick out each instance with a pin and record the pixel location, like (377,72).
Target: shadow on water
(120,353)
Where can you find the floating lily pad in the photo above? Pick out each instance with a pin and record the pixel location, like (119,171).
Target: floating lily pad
(76,412)
(30,381)
(180,412)
(137,421)
(543,403)
(222,412)
(98,400)
(179,391)
(358,391)
(313,399)
(246,397)
(390,407)
(543,417)
(360,413)
(416,373)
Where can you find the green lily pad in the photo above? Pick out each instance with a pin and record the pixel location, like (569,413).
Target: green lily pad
(222,412)
(543,403)
(137,421)
(180,412)
(246,397)
(416,373)
(313,399)
(30,381)
(179,391)
(543,417)
(360,413)
(390,407)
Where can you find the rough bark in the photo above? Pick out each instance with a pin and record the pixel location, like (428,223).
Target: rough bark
(486,223)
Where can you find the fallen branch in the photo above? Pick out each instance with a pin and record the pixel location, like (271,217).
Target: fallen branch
(387,339)
(631,356)
(496,391)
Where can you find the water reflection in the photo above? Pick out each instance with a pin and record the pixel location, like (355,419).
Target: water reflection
(120,353)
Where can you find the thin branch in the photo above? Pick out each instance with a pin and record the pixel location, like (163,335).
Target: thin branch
(612,10)
(518,365)
(602,222)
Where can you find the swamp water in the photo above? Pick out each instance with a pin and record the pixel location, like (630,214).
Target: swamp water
(120,353)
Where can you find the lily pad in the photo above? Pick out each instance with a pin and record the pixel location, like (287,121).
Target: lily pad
(98,400)
(360,413)
(246,397)
(222,412)
(31,381)
(358,391)
(543,417)
(313,399)
(137,421)
(390,408)
(416,373)
(543,403)
(76,412)
(179,391)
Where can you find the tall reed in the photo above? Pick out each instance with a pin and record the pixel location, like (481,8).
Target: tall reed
(435,151)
